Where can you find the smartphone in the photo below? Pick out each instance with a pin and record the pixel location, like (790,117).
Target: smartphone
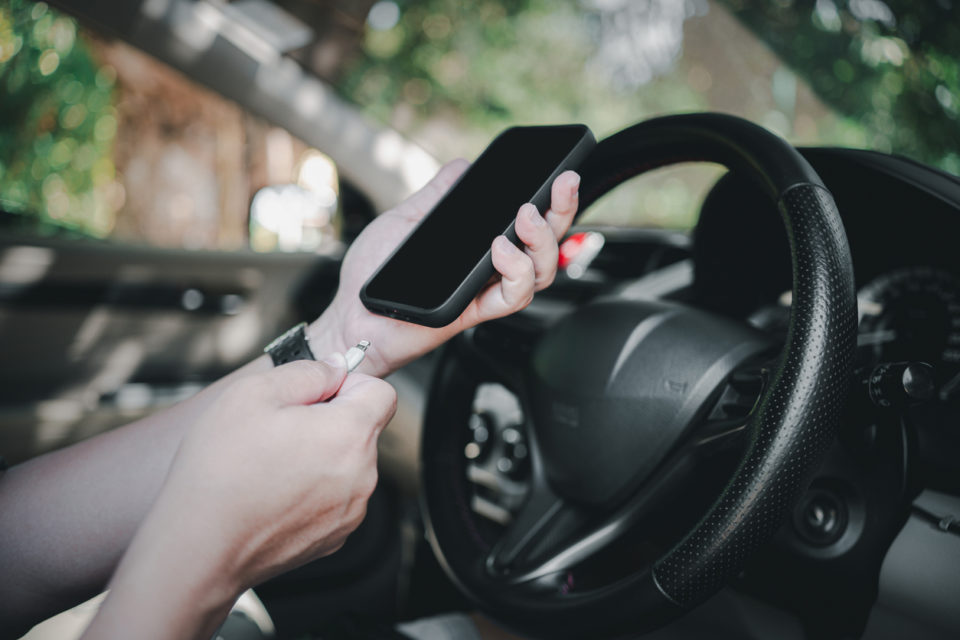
(441,266)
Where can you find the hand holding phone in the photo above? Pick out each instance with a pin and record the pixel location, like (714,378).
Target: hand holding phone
(445,261)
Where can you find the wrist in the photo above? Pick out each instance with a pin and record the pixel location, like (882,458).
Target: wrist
(325,335)
(333,332)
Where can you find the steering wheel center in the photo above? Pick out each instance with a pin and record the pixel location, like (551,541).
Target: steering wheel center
(617,384)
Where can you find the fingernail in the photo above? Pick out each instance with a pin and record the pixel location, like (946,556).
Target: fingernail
(533,215)
(335,360)
(505,245)
(575,183)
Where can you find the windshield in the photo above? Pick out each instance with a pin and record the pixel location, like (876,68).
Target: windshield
(450,75)
(858,73)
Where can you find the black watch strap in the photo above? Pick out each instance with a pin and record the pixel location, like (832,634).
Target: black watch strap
(292,345)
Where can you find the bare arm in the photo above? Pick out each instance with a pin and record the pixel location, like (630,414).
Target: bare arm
(67,517)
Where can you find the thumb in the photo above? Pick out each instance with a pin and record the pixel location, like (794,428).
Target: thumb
(306,382)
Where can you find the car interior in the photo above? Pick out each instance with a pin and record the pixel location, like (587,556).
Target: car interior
(734,414)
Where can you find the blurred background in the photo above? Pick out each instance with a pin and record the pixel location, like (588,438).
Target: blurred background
(179,178)
(100,139)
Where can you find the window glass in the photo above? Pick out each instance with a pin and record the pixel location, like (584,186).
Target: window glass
(98,139)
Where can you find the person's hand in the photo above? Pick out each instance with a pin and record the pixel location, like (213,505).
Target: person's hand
(278,469)
(275,473)
(522,272)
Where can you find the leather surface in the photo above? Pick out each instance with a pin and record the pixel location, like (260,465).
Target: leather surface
(797,416)
(743,147)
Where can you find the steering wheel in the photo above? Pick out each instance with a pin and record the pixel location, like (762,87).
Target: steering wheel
(642,492)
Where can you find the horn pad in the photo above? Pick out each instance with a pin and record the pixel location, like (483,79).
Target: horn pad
(617,384)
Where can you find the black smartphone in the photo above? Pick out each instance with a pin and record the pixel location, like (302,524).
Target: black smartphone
(441,266)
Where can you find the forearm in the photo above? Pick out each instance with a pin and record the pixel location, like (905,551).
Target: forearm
(67,517)
(175,582)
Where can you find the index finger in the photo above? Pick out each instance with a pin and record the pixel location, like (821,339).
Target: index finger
(564,200)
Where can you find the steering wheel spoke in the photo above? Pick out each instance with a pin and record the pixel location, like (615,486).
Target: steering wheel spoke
(736,402)
(540,537)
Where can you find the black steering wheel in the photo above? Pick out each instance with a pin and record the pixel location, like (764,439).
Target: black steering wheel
(643,491)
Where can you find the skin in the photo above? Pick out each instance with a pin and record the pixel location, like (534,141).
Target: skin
(260,472)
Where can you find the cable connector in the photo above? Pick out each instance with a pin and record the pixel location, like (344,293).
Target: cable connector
(355,354)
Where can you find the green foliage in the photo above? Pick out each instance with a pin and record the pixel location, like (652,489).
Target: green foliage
(453,73)
(487,65)
(891,67)
(475,68)
(57,124)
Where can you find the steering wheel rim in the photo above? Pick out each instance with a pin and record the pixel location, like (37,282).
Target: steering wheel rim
(789,429)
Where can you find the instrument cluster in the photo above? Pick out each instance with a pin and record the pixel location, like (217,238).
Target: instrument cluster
(913,314)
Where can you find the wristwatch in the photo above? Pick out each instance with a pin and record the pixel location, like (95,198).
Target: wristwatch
(292,345)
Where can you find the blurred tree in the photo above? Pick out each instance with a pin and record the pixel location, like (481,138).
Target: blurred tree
(487,65)
(890,64)
(452,74)
(890,68)
(57,125)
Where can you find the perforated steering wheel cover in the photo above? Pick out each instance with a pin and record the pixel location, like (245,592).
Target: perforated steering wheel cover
(797,415)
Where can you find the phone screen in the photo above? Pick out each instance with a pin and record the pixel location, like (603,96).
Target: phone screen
(448,244)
